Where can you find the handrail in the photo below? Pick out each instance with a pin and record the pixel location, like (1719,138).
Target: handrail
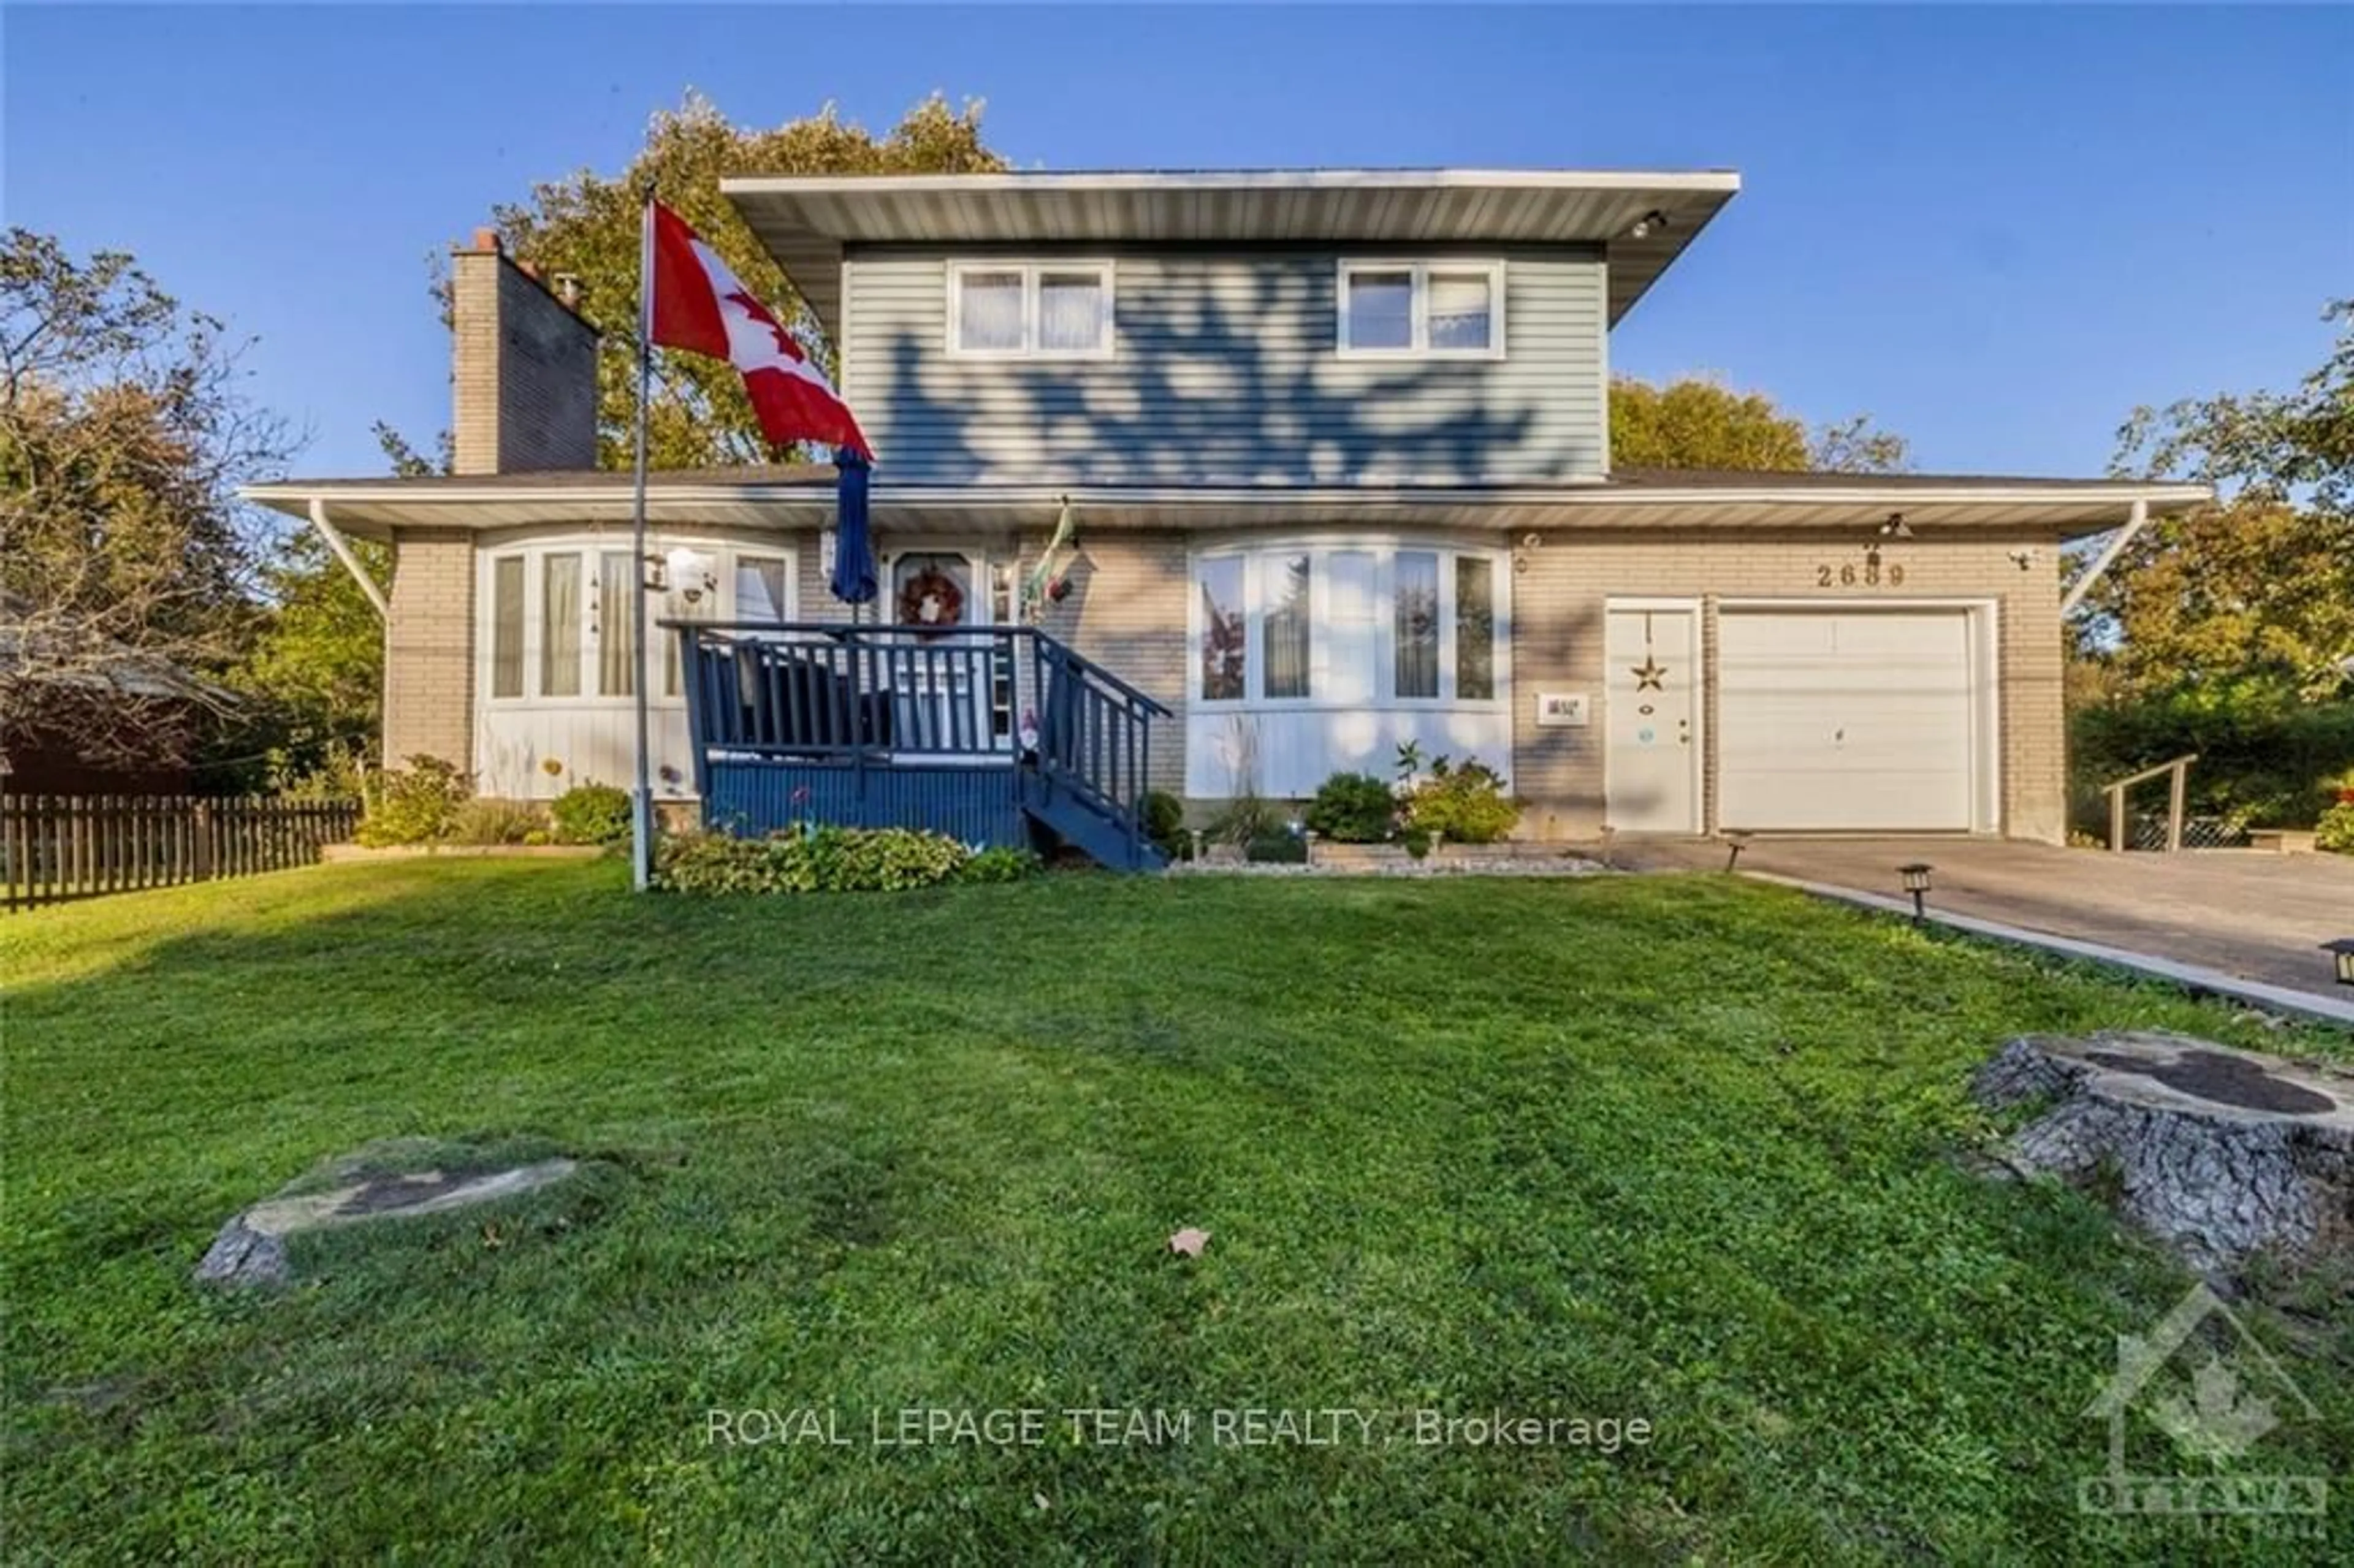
(2127,782)
(2177,793)
(846,632)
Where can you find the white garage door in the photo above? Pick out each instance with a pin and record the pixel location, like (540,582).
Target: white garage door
(1861,720)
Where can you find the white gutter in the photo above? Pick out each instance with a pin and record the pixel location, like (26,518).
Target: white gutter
(341,547)
(1596,491)
(2136,521)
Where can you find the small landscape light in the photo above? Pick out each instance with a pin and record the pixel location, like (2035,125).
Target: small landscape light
(1916,883)
(2343,950)
(1734,843)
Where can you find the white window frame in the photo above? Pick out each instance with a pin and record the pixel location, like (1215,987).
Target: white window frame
(534,550)
(1030,272)
(1256,553)
(1420,271)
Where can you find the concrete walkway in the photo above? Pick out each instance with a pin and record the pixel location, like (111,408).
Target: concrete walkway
(2258,917)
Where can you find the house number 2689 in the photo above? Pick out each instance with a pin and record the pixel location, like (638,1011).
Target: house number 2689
(1872,574)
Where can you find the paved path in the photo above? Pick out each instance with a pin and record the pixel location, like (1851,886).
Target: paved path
(2261,916)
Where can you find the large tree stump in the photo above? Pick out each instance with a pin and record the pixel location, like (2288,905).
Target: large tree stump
(2219,1153)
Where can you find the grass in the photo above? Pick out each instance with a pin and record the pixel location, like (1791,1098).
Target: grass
(1676,1150)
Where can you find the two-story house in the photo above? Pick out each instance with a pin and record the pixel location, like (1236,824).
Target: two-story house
(1334,446)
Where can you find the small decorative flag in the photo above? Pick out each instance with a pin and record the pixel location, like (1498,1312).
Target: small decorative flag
(700,305)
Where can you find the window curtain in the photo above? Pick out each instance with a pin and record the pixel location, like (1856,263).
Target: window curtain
(506,626)
(1070,310)
(617,579)
(1287,629)
(1417,623)
(560,630)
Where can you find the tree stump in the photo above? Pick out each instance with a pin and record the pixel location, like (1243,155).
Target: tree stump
(2219,1153)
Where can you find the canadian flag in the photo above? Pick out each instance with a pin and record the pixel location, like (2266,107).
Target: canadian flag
(699,305)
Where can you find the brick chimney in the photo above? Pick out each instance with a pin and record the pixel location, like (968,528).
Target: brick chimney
(523,366)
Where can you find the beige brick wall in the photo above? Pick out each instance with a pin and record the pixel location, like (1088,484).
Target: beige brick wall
(1126,611)
(429,668)
(523,370)
(1557,608)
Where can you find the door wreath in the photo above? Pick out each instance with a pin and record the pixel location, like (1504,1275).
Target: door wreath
(930,598)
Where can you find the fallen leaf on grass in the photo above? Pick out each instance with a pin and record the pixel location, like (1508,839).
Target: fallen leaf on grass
(1189,1242)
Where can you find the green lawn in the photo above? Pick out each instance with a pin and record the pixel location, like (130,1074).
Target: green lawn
(1676,1150)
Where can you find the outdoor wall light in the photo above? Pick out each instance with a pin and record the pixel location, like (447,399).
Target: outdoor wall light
(1896,527)
(691,573)
(1650,220)
(655,577)
(1916,883)
(2342,950)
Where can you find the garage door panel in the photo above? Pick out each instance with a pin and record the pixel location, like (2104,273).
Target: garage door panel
(1844,720)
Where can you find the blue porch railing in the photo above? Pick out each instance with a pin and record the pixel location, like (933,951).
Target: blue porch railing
(902,725)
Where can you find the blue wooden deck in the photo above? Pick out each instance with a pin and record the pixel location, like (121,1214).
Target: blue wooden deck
(995,735)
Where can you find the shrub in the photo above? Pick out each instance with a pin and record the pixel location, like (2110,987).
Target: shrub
(1164,821)
(498,822)
(2335,831)
(415,805)
(1353,808)
(2266,755)
(1466,804)
(1245,818)
(1001,863)
(593,814)
(1278,848)
(813,859)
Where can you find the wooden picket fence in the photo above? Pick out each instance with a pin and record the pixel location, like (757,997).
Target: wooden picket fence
(54,847)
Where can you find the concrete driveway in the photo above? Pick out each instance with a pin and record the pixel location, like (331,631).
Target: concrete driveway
(2257,916)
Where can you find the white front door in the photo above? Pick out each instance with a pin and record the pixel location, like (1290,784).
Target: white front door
(948,694)
(1651,683)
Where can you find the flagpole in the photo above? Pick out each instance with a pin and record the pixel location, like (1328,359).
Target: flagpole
(642,813)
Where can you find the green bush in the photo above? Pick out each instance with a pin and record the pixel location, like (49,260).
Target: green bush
(1353,808)
(1001,863)
(1466,804)
(1164,821)
(2267,757)
(593,814)
(498,822)
(2335,831)
(419,804)
(813,859)
(1277,849)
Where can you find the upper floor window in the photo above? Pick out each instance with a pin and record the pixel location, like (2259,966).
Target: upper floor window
(1043,310)
(1440,309)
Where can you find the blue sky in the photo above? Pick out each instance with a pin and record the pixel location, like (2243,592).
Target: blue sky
(1997,230)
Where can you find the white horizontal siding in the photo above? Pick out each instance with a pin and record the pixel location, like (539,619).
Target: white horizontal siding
(1225,372)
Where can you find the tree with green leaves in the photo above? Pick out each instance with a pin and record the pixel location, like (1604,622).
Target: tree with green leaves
(2260,585)
(1698,422)
(587,224)
(126,559)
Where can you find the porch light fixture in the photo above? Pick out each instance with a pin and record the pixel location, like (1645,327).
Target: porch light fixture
(1650,220)
(1896,527)
(1916,883)
(2342,950)
(691,573)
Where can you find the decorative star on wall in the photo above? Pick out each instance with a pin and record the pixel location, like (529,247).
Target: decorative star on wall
(1648,674)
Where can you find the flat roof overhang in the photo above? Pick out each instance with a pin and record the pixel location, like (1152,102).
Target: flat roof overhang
(1747,503)
(808,222)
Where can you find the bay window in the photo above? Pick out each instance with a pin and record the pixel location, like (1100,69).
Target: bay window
(1348,625)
